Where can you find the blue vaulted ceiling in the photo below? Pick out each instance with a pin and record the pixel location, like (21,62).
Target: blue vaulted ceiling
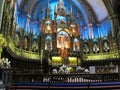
(89,12)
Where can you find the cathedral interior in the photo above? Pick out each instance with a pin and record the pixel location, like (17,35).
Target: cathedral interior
(44,35)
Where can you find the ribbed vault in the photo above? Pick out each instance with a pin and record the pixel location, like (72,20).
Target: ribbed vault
(91,10)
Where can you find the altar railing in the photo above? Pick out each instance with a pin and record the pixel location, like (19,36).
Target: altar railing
(65,78)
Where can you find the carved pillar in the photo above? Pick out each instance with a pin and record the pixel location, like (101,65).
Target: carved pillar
(5,20)
(9,25)
(71,44)
(54,34)
(100,39)
(14,31)
(115,30)
(39,44)
(0,52)
(6,28)
(54,38)
(4,24)
(11,21)
(42,35)
(91,46)
(100,44)
(81,47)
(119,41)
(31,40)
(1,44)
(1,12)
(110,39)
(115,23)
(91,36)
(54,42)
(21,39)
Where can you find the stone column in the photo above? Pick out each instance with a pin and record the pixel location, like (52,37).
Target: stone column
(91,34)
(2,41)
(1,11)
(100,39)
(115,29)
(91,46)
(0,51)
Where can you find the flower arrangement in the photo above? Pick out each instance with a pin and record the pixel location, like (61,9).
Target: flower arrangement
(63,69)
(4,63)
(80,69)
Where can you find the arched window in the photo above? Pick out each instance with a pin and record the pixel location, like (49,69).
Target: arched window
(76,45)
(86,49)
(48,28)
(35,43)
(48,43)
(63,40)
(106,47)
(95,46)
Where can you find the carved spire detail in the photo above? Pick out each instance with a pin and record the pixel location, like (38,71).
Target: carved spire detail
(60,8)
(48,11)
(72,16)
